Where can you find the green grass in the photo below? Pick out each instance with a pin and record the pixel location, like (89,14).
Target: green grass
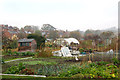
(39,62)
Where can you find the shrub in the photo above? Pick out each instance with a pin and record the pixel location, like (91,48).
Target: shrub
(45,53)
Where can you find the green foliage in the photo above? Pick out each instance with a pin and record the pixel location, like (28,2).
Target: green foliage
(24,53)
(40,62)
(14,44)
(112,66)
(93,70)
(101,63)
(71,71)
(93,64)
(39,39)
(115,61)
(81,50)
(9,52)
(15,69)
(28,53)
(16,53)
(52,70)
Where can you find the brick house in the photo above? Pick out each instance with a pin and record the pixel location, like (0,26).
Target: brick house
(10,32)
(27,45)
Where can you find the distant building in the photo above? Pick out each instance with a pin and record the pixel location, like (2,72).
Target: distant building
(27,45)
(66,41)
(10,32)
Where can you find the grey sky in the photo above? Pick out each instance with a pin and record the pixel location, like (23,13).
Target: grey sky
(62,14)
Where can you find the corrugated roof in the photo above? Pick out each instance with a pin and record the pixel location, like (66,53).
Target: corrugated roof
(25,40)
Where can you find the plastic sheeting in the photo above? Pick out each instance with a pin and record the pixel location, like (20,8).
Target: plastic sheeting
(70,40)
(65,51)
(110,51)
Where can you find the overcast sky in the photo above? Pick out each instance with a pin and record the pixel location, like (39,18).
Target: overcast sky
(62,14)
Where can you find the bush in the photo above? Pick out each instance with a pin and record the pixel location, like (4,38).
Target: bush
(45,53)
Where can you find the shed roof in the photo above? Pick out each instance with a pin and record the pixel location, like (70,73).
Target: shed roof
(25,40)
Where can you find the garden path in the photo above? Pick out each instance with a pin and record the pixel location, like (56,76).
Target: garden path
(18,59)
(23,75)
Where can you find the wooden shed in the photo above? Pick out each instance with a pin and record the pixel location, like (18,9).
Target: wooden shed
(27,45)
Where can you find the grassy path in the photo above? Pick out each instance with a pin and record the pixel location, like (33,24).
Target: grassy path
(17,59)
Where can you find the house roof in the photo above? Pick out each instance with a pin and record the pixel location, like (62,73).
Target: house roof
(13,32)
(25,40)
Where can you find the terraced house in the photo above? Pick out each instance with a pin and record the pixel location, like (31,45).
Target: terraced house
(10,32)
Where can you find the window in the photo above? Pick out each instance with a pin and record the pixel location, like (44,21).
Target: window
(27,44)
(24,44)
(20,44)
